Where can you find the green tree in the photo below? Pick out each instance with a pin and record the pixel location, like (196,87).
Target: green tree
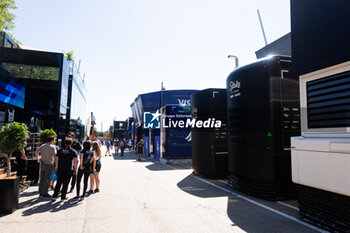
(102,134)
(70,55)
(13,137)
(6,16)
(44,134)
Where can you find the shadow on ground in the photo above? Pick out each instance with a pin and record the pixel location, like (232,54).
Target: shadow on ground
(128,155)
(252,218)
(49,206)
(199,189)
(247,216)
(157,167)
(29,194)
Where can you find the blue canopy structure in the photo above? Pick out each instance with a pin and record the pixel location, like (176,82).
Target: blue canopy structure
(152,101)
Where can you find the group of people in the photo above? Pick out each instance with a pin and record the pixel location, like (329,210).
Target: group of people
(72,163)
(121,144)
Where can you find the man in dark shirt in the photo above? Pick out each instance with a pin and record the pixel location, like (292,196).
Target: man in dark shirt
(77,147)
(64,159)
(139,149)
(122,146)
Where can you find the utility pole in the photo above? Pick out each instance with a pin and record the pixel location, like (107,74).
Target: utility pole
(79,66)
(101,126)
(161,95)
(262,27)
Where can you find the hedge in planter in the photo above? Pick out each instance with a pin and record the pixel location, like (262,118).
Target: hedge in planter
(44,134)
(13,137)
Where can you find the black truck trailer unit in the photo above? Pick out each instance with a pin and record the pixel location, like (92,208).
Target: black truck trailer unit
(263,113)
(320,33)
(209,145)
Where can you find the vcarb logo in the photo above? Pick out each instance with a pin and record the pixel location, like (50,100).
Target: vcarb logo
(184,102)
(234,85)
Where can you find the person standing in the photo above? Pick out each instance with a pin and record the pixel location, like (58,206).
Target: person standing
(129,145)
(96,168)
(21,159)
(77,147)
(116,146)
(96,177)
(122,147)
(139,149)
(52,182)
(86,159)
(108,145)
(47,153)
(64,159)
(111,142)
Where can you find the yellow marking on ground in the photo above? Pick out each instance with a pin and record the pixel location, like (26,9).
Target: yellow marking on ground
(171,166)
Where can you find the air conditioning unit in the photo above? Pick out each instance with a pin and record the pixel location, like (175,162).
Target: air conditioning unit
(325,102)
(321,156)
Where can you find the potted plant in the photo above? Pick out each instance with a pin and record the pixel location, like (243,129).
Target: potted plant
(13,137)
(44,134)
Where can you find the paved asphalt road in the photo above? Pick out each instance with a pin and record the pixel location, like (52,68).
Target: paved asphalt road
(151,197)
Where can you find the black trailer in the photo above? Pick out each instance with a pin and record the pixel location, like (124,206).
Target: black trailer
(263,113)
(209,145)
(119,129)
(321,57)
(41,87)
(320,34)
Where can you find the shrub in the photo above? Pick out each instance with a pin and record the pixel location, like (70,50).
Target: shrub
(13,136)
(44,134)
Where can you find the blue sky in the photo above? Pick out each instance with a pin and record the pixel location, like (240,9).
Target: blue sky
(128,47)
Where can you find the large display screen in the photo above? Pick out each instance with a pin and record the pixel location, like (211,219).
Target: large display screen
(12,93)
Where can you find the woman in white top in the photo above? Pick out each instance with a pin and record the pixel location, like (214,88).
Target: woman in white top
(96,168)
